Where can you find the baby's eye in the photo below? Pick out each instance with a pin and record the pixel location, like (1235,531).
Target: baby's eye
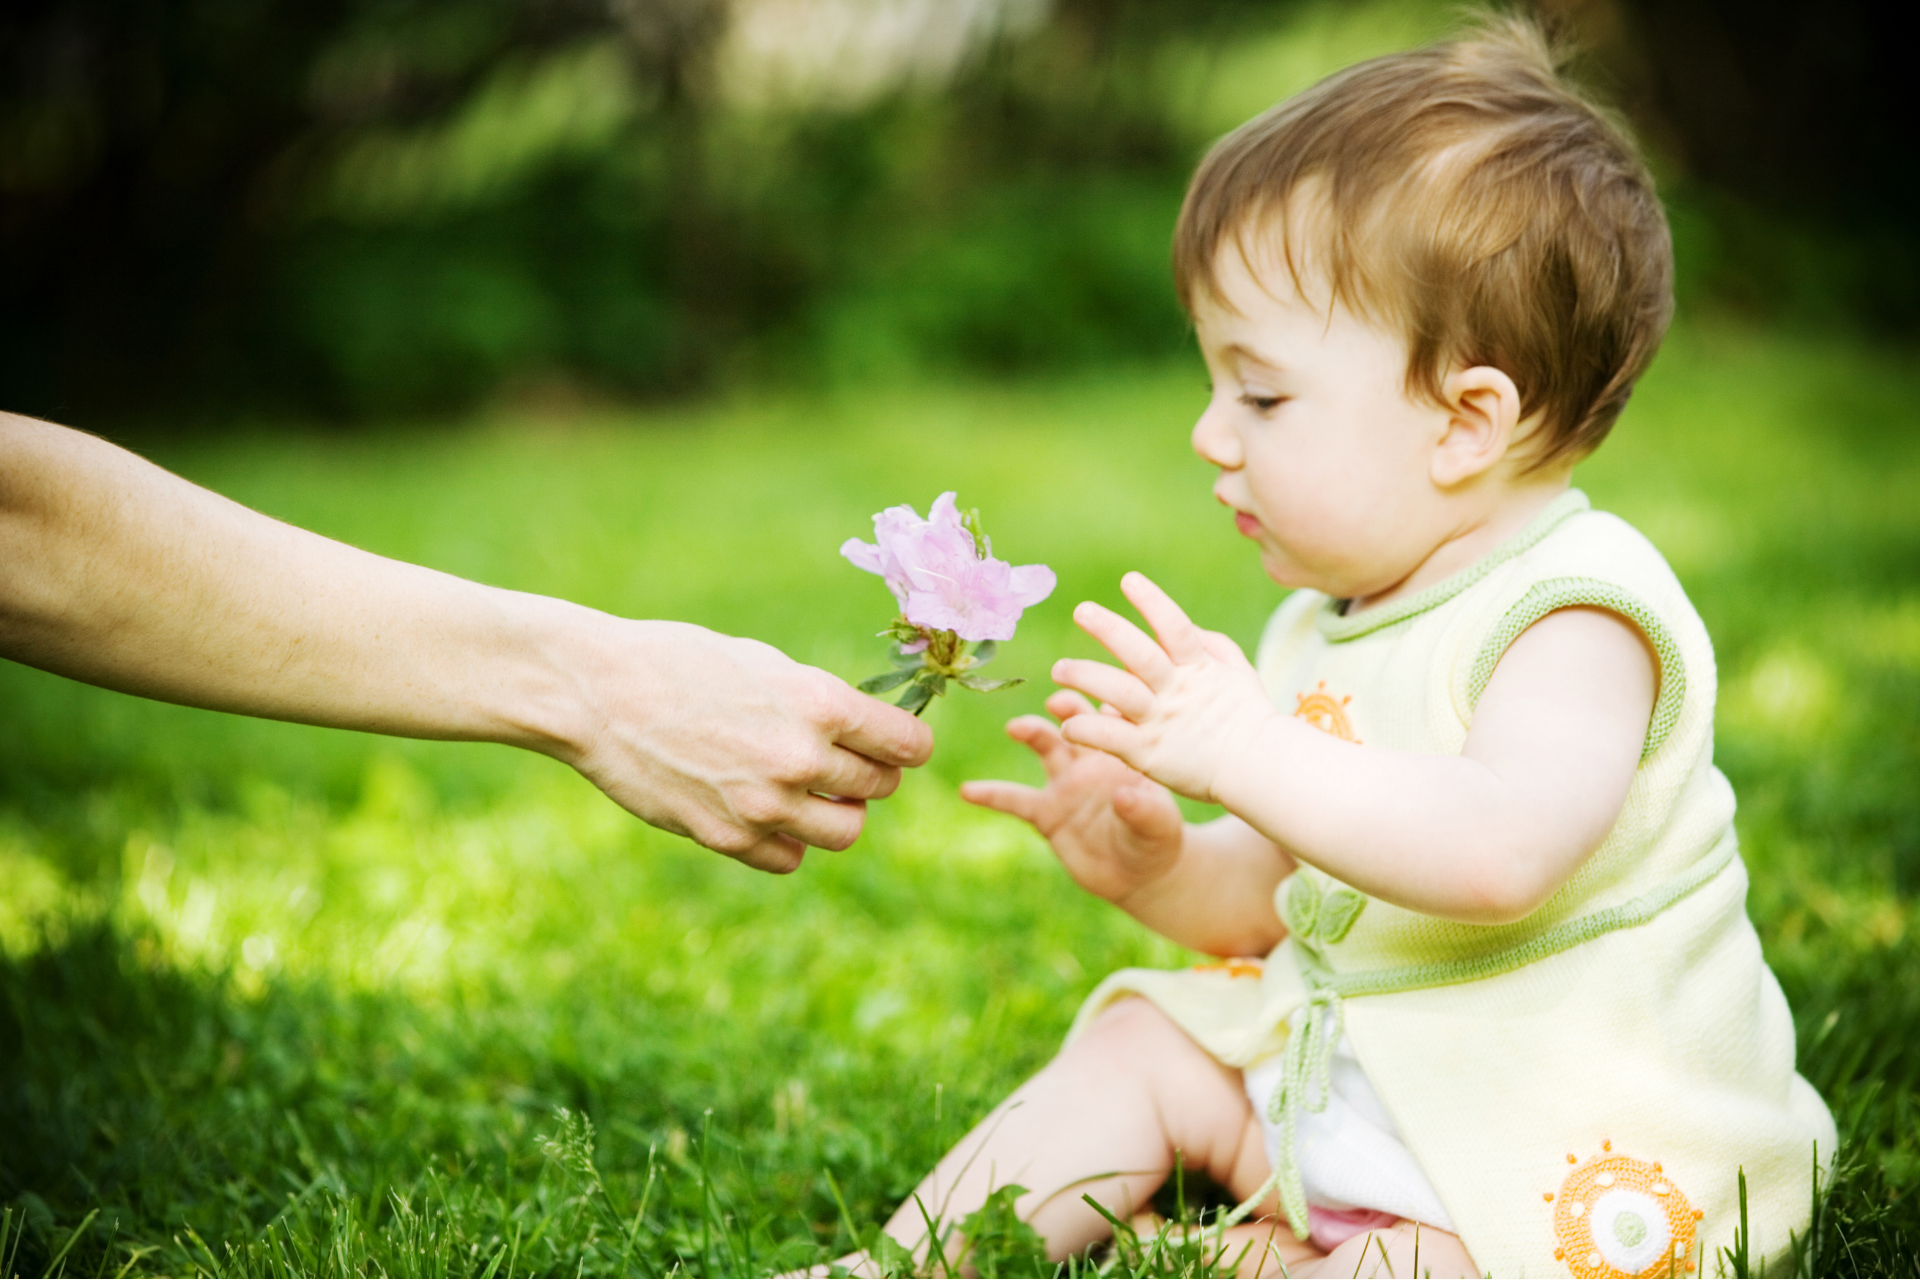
(1262,404)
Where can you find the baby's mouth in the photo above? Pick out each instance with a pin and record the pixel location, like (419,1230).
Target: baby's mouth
(1246,524)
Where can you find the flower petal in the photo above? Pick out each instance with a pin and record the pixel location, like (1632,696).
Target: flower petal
(864,555)
(935,570)
(1032,583)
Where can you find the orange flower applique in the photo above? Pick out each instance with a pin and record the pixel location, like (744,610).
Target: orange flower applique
(1321,710)
(1618,1216)
(1238,967)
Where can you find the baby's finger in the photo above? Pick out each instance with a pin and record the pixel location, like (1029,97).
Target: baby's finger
(1043,739)
(1222,647)
(1135,648)
(1106,684)
(1179,638)
(1022,802)
(1148,811)
(1064,704)
(1116,737)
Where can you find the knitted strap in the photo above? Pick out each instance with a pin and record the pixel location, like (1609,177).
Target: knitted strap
(1569,593)
(1308,1057)
(1306,1082)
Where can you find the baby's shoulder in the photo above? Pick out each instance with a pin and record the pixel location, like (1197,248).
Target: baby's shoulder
(1592,558)
(1598,545)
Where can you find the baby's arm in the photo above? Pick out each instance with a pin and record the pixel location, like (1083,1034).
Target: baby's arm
(1485,836)
(1121,837)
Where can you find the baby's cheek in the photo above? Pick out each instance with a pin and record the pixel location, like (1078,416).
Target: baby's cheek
(1310,541)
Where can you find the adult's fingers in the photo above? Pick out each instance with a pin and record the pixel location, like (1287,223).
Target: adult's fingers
(826,824)
(1135,648)
(1110,685)
(1022,802)
(849,774)
(779,854)
(1179,638)
(881,732)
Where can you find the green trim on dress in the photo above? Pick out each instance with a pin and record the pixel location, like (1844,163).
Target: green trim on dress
(1548,942)
(1567,593)
(1338,628)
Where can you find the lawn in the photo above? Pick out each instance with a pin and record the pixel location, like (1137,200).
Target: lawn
(290,1000)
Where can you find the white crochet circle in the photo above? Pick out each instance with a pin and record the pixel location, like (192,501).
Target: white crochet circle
(1630,1229)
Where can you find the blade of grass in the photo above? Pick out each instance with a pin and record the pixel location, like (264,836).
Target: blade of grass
(846,1218)
(54,1263)
(935,1252)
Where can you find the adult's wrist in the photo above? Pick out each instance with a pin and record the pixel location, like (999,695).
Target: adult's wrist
(556,655)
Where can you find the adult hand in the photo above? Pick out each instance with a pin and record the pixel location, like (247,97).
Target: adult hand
(736,745)
(114,572)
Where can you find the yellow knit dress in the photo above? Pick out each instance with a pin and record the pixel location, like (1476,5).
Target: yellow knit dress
(1583,1087)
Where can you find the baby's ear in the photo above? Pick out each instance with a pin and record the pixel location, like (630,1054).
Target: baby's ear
(1483,416)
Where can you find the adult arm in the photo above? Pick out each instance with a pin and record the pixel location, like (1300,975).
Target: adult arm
(117,573)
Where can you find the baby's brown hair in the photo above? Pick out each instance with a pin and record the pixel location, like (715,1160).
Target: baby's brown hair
(1467,196)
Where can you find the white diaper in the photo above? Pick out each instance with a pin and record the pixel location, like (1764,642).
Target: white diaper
(1351,1155)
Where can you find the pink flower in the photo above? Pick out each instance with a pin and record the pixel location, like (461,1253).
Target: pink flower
(940,580)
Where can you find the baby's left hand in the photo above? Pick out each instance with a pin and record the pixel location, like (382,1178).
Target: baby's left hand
(1189,705)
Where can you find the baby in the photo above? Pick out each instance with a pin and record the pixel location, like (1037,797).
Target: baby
(1511,1012)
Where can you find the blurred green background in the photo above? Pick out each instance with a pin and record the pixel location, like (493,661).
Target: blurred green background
(651,305)
(363,209)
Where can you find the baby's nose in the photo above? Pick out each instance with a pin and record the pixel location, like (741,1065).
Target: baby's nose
(1216,442)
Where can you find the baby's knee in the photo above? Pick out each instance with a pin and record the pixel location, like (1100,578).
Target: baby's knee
(1132,1024)
(1135,1037)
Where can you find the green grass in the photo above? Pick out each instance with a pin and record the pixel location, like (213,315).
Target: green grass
(280,999)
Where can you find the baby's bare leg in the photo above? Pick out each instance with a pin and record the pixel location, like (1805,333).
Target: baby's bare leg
(1392,1252)
(1105,1118)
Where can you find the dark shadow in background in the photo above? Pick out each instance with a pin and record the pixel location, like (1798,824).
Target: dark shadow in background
(177,242)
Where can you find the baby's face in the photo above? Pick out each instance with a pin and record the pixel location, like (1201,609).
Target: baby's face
(1323,457)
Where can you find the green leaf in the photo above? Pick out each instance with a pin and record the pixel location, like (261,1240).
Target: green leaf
(980,684)
(901,630)
(1303,905)
(1338,911)
(893,1257)
(912,661)
(885,680)
(916,698)
(982,544)
(984,651)
(999,1244)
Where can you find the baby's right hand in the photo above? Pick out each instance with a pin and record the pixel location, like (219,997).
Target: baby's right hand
(1114,829)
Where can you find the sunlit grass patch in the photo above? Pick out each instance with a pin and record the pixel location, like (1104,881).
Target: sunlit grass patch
(276,999)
